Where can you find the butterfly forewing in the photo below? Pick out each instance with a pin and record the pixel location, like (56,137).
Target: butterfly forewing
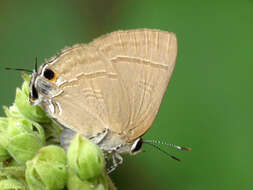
(92,98)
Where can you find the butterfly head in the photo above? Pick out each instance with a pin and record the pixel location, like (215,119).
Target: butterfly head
(41,84)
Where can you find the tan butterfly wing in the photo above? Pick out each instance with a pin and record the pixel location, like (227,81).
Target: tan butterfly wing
(116,82)
(144,59)
(92,98)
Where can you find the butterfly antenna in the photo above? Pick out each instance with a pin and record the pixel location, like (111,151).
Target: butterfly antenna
(161,150)
(15,69)
(167,144)
(36,64)
(26,70)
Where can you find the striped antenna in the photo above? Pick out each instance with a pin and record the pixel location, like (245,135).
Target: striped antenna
(167,144)
(161,150)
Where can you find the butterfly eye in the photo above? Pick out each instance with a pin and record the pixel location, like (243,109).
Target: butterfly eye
(50,75)
(137,146)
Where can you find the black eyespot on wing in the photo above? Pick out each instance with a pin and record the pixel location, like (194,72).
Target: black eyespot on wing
(49,74)
(138,146)
(34,93)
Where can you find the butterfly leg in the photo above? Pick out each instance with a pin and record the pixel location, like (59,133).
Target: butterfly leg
(119,158)
(116,160)
(99,137)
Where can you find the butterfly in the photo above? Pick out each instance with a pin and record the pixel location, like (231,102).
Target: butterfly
(108,90)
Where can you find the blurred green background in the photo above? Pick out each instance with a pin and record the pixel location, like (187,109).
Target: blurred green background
(208,105)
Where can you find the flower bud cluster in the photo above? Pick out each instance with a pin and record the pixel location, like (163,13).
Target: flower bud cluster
(31,158)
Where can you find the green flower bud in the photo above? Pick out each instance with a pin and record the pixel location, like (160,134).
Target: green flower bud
(22,139)
(101,182)
(47,170)
(24,147)
(52,133)
(23,107)
(26,84)
(15,171)
(12,112)
(34,113)
(4,155)
(75,183)
(85,158)
(3,124)
(11,184)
